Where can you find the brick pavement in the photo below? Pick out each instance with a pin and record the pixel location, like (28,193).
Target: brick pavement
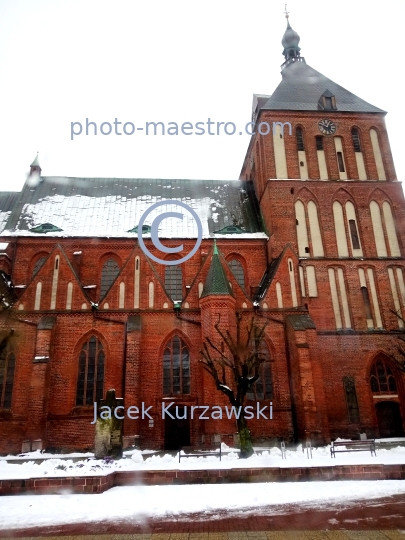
(249,535)
(379,519)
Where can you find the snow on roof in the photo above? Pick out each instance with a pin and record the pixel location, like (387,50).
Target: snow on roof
(110,207)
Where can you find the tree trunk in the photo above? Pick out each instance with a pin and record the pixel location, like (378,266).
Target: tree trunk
(245,441)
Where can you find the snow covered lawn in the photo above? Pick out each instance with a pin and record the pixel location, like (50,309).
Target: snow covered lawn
(137,460)
(138,503)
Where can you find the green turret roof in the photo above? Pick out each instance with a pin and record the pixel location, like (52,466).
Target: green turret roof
(216,283)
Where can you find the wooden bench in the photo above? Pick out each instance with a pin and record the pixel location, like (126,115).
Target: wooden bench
(202,450)
(353,446)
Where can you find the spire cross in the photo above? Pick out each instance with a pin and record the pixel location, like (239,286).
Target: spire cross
(287,13)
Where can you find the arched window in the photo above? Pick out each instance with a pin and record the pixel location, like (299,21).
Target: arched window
(263,387)
(382,380)
(176,367)
(237,271)
(90,382)
(174,282)
(38,265)
(7,365)
(109,272)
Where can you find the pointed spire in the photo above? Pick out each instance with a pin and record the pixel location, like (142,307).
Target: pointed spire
(35,167)
(216,283)
(287,16)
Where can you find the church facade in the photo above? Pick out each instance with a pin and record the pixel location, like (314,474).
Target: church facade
(310,240)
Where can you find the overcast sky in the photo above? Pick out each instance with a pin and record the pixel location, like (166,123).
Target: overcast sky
(63,61)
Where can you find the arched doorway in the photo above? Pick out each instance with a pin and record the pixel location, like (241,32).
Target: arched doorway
(384,387)
(389,419)
(176,382)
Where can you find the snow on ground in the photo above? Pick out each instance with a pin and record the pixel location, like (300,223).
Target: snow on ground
(138,503)
(137,460)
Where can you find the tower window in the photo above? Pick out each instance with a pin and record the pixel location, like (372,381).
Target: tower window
(354,234)
(340,161)
(300,139)
(356,140)
(366,300)
(319,142)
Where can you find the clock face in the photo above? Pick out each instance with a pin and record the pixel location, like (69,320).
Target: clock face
(327,127)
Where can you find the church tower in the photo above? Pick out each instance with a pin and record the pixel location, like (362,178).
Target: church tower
(321,166)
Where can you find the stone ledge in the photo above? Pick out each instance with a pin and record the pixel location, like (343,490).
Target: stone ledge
(99,484)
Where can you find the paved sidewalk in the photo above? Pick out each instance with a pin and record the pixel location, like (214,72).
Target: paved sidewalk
(375,520)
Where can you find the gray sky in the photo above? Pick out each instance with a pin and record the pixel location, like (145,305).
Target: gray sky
(178,61)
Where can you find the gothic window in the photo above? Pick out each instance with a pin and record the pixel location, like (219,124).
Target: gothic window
(263,387)
(382,380)
(237,271)
(7,365)
(354,234)
(174,282)
(109,272)
(351,400)
(176,367)
(38,265)
(356,140)
(300,139)
(90,382)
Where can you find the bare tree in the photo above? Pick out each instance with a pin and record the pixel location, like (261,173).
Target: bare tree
(234,366)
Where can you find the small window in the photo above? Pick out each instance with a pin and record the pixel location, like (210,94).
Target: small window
(367,305)
(300,139)
(354,234)
(307,249)
(328,103)
(356,140)
(340,161)
(319,142)
(237,271)
(7,366)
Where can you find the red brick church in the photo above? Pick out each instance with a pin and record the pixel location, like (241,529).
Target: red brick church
(309,239)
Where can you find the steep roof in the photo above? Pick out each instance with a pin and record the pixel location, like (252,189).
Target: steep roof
(110,207)
(216,283)
(302,86)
